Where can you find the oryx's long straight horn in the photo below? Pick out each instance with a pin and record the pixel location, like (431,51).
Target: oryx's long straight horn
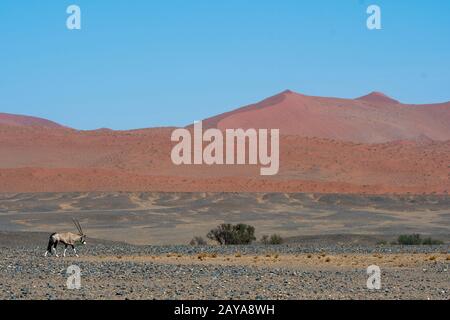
(81,229)
(77,224)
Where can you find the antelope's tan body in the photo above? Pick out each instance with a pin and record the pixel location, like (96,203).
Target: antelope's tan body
(67,238)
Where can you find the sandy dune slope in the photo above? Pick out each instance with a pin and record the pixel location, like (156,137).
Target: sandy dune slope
(374,118)
(372,144)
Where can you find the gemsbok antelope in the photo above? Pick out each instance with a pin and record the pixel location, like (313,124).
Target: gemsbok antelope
(68,239)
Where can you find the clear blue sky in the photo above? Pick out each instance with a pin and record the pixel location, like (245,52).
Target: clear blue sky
(156,63)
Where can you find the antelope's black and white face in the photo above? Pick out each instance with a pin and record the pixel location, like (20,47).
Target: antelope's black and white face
(83,240)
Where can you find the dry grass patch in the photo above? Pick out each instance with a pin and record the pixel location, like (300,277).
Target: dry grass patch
(201,256)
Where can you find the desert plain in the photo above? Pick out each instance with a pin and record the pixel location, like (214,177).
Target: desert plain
(138,246)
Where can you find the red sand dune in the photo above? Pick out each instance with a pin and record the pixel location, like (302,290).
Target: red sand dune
(324,148)
(26,121)
(374,118)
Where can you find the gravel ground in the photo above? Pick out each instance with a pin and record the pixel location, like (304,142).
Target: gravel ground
(122,271)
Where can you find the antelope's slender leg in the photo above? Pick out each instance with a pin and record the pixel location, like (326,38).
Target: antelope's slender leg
(65,249)
(75,250)
(54,248)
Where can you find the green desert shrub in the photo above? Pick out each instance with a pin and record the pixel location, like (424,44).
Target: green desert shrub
(416,239)
(430,242)
(228,234)
(409,240)
(276,239)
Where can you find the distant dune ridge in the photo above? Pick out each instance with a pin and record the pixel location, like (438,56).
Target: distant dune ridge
(372,144)
(374,118)
(26,121)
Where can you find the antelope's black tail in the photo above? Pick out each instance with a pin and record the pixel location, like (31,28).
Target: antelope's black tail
(51,242)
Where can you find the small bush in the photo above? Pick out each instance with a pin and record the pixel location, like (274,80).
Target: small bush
(275,239)
(265,239)
(198,241)
(227,234)
(409,240)
(430,242)
(415,240)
